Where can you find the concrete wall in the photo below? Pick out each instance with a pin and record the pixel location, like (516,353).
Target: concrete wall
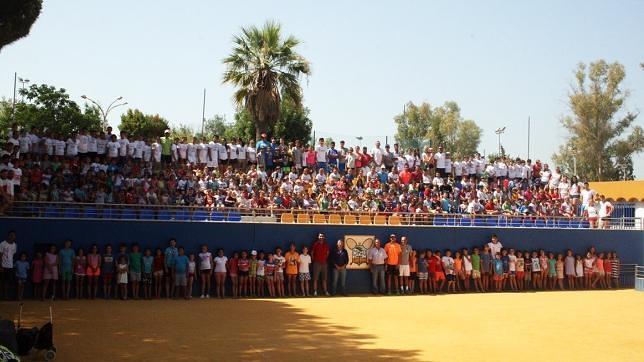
(36,233)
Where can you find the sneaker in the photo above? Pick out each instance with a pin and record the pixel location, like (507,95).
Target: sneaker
(208,296)
(327,294)
(202,296)
(315,294)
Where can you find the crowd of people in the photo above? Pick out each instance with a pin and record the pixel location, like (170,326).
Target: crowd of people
(99,167)
(396,268)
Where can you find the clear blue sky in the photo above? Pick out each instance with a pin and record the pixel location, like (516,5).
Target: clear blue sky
(502,61)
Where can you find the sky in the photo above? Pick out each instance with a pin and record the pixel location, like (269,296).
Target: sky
(501,61)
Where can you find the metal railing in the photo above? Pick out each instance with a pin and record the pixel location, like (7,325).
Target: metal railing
(191,213)
(638,277)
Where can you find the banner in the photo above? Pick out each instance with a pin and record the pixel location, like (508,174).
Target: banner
(358,246)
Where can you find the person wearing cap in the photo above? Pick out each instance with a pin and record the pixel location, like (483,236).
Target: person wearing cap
(340,259)
(166,147)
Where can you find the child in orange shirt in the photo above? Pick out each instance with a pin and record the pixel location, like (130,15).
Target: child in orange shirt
(413,271)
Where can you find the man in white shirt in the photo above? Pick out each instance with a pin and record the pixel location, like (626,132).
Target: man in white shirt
(83,143)
(586,194)
(139,144)
(495,245)
(72,147)
(439,158)
(25,143)
(377,154)
(8,250)
(605,212)
(213,155)
(182,148)
(101,144)
(113,147)
(123,143)
(92,145)
(321,154)
(377,256)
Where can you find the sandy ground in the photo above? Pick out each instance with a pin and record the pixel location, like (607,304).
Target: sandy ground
(563,326)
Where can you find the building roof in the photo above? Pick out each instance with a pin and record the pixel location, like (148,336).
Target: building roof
(620,190)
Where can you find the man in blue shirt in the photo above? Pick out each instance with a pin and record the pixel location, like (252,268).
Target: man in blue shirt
(170,254)
(180,272)
(339,259)
(264,154)
(66,257)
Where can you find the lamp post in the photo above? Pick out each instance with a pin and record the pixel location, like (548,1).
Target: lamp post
(105,112)
(500,131)
(359,138)
(23,81)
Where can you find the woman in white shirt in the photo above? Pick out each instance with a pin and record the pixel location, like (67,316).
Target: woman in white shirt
(220,272)
(205,270)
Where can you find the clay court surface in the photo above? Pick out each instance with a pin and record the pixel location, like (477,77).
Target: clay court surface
(564,326)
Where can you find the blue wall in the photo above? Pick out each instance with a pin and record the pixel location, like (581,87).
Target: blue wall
(34,233)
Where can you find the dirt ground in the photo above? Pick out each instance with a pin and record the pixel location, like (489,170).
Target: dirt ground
(565,326)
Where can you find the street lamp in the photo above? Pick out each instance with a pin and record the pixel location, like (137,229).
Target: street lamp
(359,138)
(105,112)
(23,81)
(500,131)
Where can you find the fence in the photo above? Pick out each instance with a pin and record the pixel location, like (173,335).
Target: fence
(201,214)
(638,276)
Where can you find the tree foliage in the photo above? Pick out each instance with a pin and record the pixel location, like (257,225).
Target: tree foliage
(422,125)
(264,67)
(135,123)
(16,19)
(597,127)
(50,110)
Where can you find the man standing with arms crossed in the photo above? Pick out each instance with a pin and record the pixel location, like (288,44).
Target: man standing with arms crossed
(377,258)
(320,255)
(392,248)
(403,268)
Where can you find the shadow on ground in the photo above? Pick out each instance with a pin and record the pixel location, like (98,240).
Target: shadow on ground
(209,330)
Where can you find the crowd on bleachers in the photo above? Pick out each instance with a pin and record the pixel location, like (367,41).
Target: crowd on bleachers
(101,168)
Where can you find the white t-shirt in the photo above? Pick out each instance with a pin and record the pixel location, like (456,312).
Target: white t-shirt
(377,154)
(320,153)
(8,251)
(220,264)
(7,185)
(113,149)
(440,159)
(92,144)
(101,146)
(512,262)
(204,261)
(138,149)
(25,143)
(123,142)
(305,262)
(604,206)
(83,143)
(183,149)
(495,248)
(60,148)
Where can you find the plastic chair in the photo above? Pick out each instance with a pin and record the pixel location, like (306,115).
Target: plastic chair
(200,215)
(563,223)
(128,214)
(450,221)
(287,218)
(350,219)
(395,220)
(319,219)
(50,212)
(380,220)
(146,214)
(479,221)
(217,216)
(492,221)
(111,214)
(540,223)
(516,223)
(335,219)
(161,215)
(234,216)
(303,218)
(71,213)
(466,221)
(439,221)
(364,219)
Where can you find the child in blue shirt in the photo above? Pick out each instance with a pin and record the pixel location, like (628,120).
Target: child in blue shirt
(22,271)
(148,261)
(180,272)
(497,265)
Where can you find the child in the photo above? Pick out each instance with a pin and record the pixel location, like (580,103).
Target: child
(467,269)
(431,266)
(80,270)
(205,271)
(93,271)
(290,258)
(303,269)
(233,272)
(439,272)
(569,269)
(244,266)
(448,266)
(559,266)
(579,272)
(37,266)
(148,263)
(252,273)
(615,269)
(269,270)
(66,259)
(608,269)
(122,270)
(486,262)
(220,262)
(279,272)
(181,273)
(498,272)
(134,266)
(536,271)
(598,272)
(108,270)
(552,271)
(413,272)
(589,266)
(459,273)
(422,273)
(192,270)
(527,262)
(520,266)
(157,269)
(50,273)
(261,263)
(476,270)
(22,272)
(505,259)
(543,264)
(512,264)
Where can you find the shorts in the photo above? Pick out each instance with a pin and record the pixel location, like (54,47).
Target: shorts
(191,275)
(403,270)
(476,274)
(270,278)
(66,275)
(166,158)
(243,273)
(439,276)
(279,276)
(22,280)
(107,277)
(413,275)
(513,273)
(93,272)
(205,272)
(158,273)
(451,277)
(53,275)
(261,277)
(498,277)
(391,270)
(135,276)
(320,271)
(520,275)
(80,274)
(180,280)
(147,278)
(304,277)
(423,275)
(7,274)
(601,273)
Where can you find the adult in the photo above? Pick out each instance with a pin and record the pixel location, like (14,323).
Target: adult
(321,154)
(166,147)
(495,245)
(403,267)
(377,257)
(605,212)
(392,248)
(170,256)
(7,252)
(320,255)
(340,259)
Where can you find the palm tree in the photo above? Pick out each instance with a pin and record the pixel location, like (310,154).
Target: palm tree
(264,68)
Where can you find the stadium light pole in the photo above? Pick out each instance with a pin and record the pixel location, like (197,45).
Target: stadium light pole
(23,81)
(499,132)
(105,112)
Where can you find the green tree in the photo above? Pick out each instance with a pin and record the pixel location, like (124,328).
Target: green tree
(595,129)
(215,126)
(50,110)
(264,67)
(468,138)
(413,125)
(183,131)
(294,122)
(16,19)
(135,123)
